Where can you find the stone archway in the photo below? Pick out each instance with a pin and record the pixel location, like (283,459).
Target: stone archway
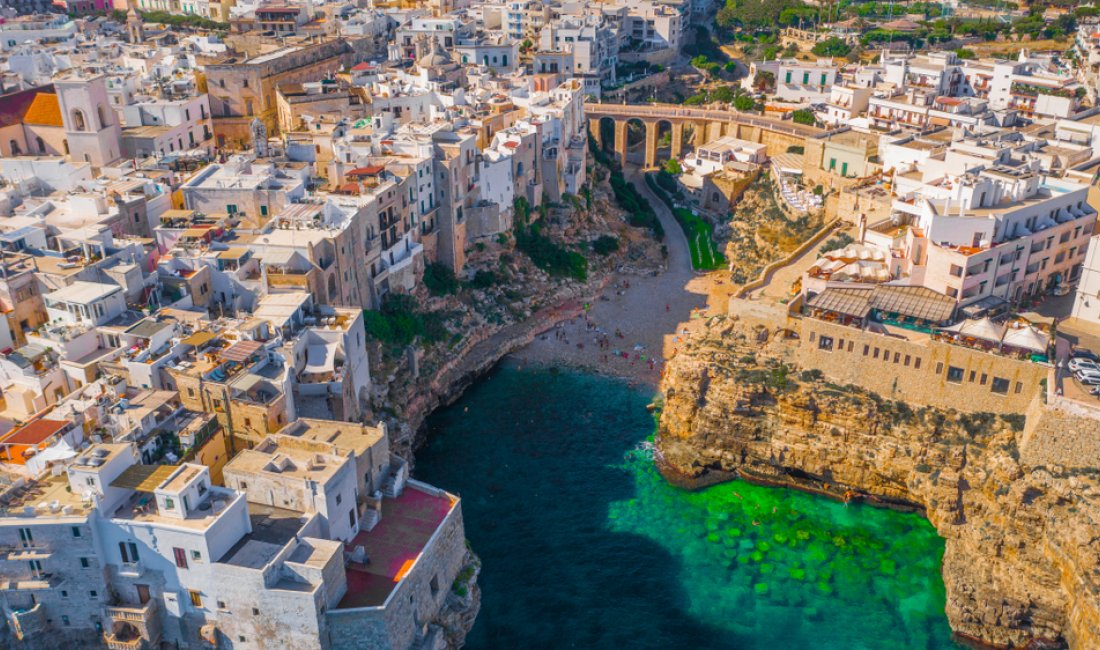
(635,140)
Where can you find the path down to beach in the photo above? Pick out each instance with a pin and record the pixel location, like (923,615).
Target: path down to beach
(649,312)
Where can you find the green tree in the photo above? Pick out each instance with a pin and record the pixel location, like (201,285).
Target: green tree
(803,116)
(832,46)
(744,103)
(672,166)
(723,94)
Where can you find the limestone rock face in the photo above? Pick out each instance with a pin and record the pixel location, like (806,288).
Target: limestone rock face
(1022,560)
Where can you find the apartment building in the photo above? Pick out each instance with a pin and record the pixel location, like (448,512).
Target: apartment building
(795,80)
(592,44)
(981,225)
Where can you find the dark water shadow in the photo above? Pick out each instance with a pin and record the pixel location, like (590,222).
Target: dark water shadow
(537,458)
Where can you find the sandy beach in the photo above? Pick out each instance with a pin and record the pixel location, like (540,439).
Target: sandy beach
(634,326)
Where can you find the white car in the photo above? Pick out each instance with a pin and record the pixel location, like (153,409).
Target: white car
(1083,375)
(1082,364)
(1090,380)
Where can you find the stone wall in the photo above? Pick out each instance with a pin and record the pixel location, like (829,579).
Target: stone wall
(918,371)
(1062,433)
(72,609)
(914,371)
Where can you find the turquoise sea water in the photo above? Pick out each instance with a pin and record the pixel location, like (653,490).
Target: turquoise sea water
(584,545)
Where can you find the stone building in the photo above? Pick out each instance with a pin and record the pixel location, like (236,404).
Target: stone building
(242,90)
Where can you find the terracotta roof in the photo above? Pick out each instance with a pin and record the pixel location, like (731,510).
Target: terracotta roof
(34,432)
(370,170)
(44,111)
(13,106)
(362,66)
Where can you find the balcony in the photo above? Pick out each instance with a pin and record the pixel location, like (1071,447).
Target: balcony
(17,553)
(132,627)
(131,569)
(27,622)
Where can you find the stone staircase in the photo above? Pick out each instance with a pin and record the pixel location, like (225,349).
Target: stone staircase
(394,484)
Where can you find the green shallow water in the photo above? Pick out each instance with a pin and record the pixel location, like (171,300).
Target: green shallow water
(584,545)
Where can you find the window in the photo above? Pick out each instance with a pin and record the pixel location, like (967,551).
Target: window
(339,498)
(897,357)
(25,537)
(973,374)
(435,585)
(64,593)
(196,555)
(351,517)
(181,557)
(954,375)
(128,551)
(1000,386)
(1019,387)
(93,594)
(169,503)
(64,619)
(939,367)
(76,531)
(866,348)
(255,611)
(825,343)
(84,563)
(984,379)
(916,363)
(196,598)
(221,605)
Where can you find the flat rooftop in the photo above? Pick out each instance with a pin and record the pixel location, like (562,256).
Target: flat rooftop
(272,529)
(408,522)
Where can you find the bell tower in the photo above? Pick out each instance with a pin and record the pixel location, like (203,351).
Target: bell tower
(134,26)
(91,125)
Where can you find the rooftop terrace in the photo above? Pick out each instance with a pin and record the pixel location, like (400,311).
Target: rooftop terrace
(394,546)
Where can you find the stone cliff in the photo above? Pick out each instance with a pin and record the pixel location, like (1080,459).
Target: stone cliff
(1022,560)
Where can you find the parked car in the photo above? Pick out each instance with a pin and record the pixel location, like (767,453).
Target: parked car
(1080,363)
(1090,380)
(1082,353)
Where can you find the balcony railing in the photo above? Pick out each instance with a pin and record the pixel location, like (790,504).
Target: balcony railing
(131,614)
(116,643)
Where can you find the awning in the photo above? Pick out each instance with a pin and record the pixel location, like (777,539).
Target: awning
(57,452)
(1026,338)
(982,307)
(199,338)
(984,329)
(143,478)
(240,351)
(843,300)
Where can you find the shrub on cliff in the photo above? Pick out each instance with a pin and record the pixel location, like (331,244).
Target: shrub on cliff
(440,279)
(399,323)
(605,245)
(548,255)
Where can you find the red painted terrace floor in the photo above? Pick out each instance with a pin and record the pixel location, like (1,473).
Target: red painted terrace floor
(407,524)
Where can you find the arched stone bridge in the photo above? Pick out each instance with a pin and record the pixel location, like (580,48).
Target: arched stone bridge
(708,125)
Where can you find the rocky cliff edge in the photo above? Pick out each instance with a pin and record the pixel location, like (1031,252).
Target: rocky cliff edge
(1022,560)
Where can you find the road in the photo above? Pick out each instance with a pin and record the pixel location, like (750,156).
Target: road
(649,313)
